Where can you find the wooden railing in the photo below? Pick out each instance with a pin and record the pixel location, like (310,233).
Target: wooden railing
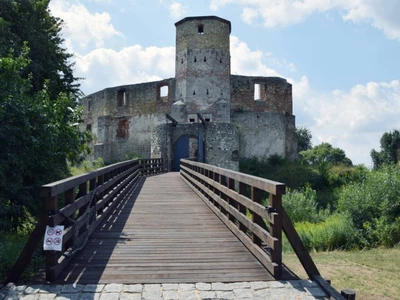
(237,199)
(78,202)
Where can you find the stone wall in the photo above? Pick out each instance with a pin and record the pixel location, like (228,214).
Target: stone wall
(202,66)
(275,94)
(221,142)
(245,115)
(126,100)
(222,145)
(262,134)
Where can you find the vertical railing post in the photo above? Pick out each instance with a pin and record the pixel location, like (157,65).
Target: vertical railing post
(231,186)
(51,256)
(256,196)
(69,198)
(242,208)
(275,202)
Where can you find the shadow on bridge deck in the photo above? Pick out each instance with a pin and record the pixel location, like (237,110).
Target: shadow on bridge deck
(164,233)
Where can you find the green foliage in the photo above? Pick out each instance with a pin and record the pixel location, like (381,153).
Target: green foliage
(340,175)
(301,205)
(373,205)
(85,166)
(335,233)
(38,135)
(390,150)
(29,22)
(10,247)
(303,138)
(39,115)
(324,155)
(293,174)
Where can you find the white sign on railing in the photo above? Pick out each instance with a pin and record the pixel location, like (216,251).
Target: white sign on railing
(53,238)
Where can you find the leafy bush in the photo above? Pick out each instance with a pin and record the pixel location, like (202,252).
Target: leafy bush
(374,207)
(293,174)
(10,247)
(301,205)
(335,233)
(340,175)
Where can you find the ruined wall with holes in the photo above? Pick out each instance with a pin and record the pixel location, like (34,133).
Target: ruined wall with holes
(275,94)
(246,116)
(122,118)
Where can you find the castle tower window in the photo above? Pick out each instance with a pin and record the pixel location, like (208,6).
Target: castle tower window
(195,59)
(257,91)
(89,127)
(123,129)
(89,105)
(200,29)
(163,93)
(122,98)
(205,59)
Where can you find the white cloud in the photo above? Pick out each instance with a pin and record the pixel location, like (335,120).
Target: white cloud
(177,10)
(381,14)
(81,26)
(353,120)
(249,15)
(104,68)
(247,62)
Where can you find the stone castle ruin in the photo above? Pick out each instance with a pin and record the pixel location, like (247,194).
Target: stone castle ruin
(204,112)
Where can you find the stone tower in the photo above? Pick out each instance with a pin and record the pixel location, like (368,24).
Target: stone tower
(202,69)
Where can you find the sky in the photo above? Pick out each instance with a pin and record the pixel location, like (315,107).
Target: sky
(341,56)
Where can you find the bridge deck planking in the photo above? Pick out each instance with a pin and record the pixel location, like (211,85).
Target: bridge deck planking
(163,234)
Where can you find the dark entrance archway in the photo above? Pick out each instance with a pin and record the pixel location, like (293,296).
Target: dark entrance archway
(181,150)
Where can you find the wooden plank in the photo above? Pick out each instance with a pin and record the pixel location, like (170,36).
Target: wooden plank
(298,247)
(254,206)
(257,252)
(163,232)
(276,229)
(274,187)
(61,186)
(333,294)
(62,264)
(243,220)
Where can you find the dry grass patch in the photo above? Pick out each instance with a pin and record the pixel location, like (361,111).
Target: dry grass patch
(373,274)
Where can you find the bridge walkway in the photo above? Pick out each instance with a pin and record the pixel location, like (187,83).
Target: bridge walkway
(163,233)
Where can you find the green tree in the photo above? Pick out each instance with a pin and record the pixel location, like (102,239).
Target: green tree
(37,136)
(29,22)
(390,150)
(373,205)
(303,138)
(38,108)
(325,154)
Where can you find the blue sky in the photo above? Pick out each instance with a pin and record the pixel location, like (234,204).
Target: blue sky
(342,56)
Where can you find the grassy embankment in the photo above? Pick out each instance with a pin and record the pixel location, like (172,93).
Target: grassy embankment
(372,274)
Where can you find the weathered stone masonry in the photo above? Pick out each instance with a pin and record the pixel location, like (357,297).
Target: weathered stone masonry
(245,115)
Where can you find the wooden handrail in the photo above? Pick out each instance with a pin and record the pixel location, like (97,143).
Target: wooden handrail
(101,190)
(236,199)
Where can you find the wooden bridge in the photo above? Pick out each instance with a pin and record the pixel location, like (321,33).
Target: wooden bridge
(133,223)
